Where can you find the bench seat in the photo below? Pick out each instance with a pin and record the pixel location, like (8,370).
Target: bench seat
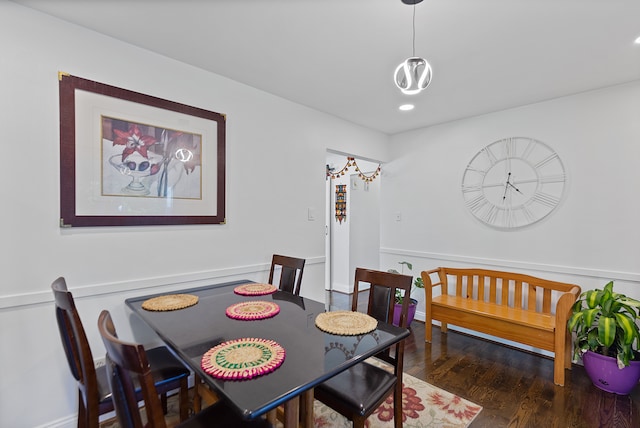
(512,306)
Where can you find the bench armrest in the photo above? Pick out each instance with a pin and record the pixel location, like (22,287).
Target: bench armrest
(429,284)
(563,307)
(426,277)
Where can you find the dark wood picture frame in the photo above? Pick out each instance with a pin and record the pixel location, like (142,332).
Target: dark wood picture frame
(208,209)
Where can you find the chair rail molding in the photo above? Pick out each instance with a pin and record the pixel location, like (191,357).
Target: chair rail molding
(150,285)
(516,264)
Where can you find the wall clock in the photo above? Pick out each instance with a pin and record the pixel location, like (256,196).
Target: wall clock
(513,182)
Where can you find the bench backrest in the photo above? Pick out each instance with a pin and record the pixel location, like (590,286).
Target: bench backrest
(505,288)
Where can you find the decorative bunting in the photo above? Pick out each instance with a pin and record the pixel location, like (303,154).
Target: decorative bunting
(352,162)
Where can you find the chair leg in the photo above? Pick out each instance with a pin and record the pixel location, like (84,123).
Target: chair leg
(88,413)
(82,412)
(163,401)
(358,421)
(397,406)
(184,399)
(197,399)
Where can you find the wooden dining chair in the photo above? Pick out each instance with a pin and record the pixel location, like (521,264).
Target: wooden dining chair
(357,392)
(291,269)
(94,395)
(127,365)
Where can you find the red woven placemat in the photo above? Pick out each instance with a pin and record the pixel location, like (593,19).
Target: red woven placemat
(245,358)
(253,310)
(255,289)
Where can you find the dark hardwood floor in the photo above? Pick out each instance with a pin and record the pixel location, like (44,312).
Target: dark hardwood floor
(514,387)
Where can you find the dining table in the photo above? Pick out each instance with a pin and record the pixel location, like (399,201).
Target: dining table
(308,354)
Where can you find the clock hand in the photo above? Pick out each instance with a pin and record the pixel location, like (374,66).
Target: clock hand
(517,190)
(506,186)
(509,183)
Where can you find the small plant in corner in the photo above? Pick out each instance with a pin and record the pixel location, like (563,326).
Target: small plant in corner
(605,322)
(417,283)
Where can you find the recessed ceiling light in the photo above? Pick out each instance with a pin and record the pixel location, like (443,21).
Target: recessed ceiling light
(406,107)
(637,41)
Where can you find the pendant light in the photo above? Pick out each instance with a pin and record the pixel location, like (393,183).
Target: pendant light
(413,75)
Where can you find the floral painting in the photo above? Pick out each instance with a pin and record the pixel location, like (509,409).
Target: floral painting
(133,159)
(150,161)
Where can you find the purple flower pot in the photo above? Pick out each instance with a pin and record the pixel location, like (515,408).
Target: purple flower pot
(605,374)
(410,314)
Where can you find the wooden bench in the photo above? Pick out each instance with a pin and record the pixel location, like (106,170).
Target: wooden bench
(512,306)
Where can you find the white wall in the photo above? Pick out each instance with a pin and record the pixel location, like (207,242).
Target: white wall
(364,248)
(275,171)
(591,238)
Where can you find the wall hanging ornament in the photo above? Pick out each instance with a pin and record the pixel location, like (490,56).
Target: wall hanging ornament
(352,162)
(341,202)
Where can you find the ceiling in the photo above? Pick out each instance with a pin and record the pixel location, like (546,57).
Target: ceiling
(338,56)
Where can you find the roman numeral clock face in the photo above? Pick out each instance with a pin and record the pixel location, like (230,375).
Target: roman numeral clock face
(513,182)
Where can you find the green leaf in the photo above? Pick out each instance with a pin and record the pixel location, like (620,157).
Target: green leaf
(407,264)
(592,339)
(592,299)
(628,326)
(607,330)
(607,306)
(419,283)
(630,302)
(576,317)
(590,315)
(609,287)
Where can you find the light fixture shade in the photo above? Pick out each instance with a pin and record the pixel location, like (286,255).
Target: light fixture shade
(413,75)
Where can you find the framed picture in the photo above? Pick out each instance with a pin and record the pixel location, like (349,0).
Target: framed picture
(130,159)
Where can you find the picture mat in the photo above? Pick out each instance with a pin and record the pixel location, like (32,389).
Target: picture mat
(89,109)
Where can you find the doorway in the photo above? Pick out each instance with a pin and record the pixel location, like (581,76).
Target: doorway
(352,241)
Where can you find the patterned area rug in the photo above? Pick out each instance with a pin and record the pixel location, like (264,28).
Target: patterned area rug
(424,406)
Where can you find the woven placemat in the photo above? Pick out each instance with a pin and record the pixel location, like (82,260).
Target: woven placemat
(256,289)
(346,323)
(170,302)
(253,310)
(245,358)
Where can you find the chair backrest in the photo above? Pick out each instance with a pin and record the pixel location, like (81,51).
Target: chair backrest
(124,361)
(290,275)
(75,343)
(381,303)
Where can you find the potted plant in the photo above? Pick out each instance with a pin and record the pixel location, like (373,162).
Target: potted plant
(399,297)
(607,338)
